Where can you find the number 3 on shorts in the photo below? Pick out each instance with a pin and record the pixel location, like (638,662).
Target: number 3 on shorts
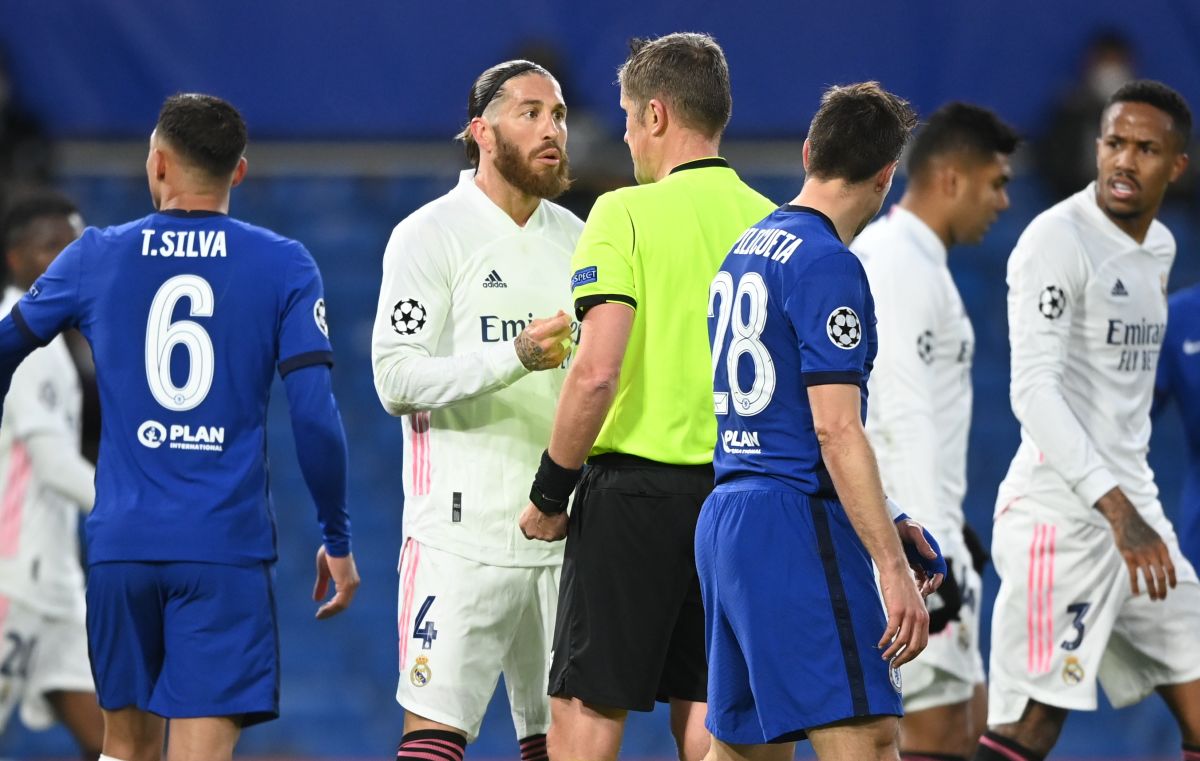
(426,633)
(1080,609)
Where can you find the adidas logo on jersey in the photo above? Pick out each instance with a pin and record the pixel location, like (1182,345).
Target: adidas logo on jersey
(493,280)
(1119,289)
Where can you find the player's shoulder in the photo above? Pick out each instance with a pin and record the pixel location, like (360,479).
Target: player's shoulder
(561,219)
(442,216)
(884,247)
(1159,240)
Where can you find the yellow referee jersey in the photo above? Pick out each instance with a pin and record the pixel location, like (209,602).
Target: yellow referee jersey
(656,249)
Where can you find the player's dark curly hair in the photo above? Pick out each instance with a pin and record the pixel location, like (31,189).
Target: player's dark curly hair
(686,70)
(206,131)
(1162,97)
(858,130)
(960,128)
(24,211)
(490,88)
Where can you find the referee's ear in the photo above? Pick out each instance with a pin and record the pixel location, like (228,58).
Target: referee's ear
(659,118)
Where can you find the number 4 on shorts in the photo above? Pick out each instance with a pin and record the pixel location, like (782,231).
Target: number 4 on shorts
(422,629)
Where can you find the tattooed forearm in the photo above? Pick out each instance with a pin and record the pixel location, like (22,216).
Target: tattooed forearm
(530,353)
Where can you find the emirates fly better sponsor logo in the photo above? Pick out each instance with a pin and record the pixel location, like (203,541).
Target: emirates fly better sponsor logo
(206,438)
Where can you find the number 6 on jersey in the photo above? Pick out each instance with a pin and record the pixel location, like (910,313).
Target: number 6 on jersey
(162,336)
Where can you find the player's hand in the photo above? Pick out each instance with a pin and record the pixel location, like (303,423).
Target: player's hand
(545,343)
(907,631)
(1142,548)
(945,605)
(537,525)
(344,575)
(923,553)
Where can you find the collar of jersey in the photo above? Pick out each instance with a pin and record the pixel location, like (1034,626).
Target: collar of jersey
(926,239)
(192,213)
(791,207)
(705,163)
(466,185)
(1153,243)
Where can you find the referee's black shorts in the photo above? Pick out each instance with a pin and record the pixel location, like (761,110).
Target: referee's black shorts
(630,626)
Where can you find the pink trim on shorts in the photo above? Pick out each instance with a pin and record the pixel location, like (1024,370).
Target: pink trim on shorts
(16,487)
(998,748)
(412,548)
(419,449)
(1040,602)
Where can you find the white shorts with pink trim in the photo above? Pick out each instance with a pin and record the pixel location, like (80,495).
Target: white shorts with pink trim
(461,624)
(39,654)
(1066,617)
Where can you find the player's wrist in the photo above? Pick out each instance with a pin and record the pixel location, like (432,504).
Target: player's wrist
(552,486)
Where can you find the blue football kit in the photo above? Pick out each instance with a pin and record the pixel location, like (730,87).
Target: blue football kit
(1178,381)
(189,316)
(792,608)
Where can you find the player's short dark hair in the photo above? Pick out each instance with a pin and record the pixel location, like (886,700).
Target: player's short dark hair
(687,70)
(208,132)
(19,217)
(1162,97)
(489,88)
(858,130)
(964,129)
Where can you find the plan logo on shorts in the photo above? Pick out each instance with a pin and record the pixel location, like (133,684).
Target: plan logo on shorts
(420,674)
(897,684)
(1072,672)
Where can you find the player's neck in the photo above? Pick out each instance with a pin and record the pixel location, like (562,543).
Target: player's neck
(687,146)
(517,204)
(845,206)
(1135,227)
(928,211)
(184,200)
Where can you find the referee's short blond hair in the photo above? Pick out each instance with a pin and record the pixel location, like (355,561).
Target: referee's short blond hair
(688,71)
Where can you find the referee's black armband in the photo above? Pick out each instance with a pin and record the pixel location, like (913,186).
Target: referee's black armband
(552,486)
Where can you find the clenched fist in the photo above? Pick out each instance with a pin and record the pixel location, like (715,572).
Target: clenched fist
(545,342)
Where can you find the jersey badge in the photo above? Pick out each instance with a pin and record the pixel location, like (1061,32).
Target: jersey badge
(583,277)
(1052,302)
(420,674)
(408,317)
(319,317)
(897,684)
(844,328)
(925,347)
(1072,673)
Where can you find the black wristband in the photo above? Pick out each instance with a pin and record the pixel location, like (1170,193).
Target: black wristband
(552,486)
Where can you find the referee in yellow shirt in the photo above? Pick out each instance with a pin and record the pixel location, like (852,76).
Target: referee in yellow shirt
(637,404)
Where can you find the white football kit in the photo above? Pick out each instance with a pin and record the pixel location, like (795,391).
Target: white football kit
(918,419)
(460,281)
(1087,310)
(43,639)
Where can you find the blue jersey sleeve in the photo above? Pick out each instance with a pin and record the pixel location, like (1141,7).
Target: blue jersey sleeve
(1164,380)
(321,450)
(303,329)
(53,301)
(830,308)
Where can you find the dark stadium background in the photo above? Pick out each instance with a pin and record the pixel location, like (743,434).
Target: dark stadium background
(351,106)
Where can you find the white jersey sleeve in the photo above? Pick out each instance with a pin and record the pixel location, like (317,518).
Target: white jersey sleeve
(1047,279)
(414,306)
(908,313)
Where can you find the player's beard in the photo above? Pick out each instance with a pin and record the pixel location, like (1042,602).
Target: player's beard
(523,174)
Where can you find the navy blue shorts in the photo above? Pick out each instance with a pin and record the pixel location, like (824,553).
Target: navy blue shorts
(185,640)
(792,616)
